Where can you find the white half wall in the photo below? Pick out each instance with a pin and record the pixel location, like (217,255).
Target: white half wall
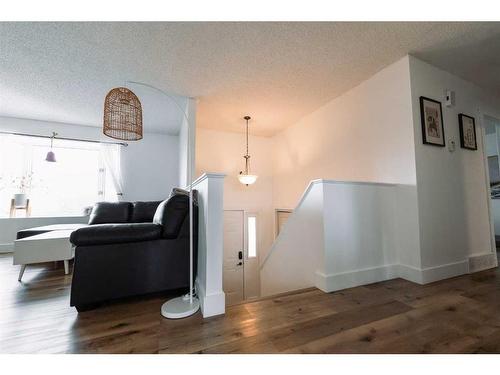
(297,253)
(210,188)
(344,234)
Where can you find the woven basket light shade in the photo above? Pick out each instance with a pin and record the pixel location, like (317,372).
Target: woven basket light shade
(122,115)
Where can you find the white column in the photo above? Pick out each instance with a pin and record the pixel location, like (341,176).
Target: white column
(210,188)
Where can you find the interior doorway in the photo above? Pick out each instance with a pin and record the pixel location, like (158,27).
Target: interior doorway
(241,279)
(492,151)
(282,216)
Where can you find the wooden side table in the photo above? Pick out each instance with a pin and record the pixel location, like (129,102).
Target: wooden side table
(13,208)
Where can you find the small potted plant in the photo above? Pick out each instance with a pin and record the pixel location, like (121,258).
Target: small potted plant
(23,186)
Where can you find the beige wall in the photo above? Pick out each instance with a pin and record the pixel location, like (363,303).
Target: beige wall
(364,135)
(222,152)
(372,133)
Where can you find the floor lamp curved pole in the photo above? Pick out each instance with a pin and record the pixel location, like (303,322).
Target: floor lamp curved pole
(184,306)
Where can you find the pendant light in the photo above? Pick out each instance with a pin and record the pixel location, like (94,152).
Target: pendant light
(51,157)
(245,177)
(122,115)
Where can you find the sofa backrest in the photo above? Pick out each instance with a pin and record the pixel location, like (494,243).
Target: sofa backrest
(110,212)
(143,212)
(173,212)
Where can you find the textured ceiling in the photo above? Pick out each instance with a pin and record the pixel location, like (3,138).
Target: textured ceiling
(275,72)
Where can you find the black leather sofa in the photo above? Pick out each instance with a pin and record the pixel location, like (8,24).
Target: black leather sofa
(132,249)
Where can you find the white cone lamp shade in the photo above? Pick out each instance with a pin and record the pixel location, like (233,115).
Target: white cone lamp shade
(245,177)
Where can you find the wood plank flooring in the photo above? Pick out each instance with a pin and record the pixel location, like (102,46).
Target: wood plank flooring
(459,315)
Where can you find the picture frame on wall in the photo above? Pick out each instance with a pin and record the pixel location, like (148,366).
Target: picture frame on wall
(431,115)
(468,138)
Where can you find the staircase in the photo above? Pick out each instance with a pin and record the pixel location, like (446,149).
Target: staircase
(341,235)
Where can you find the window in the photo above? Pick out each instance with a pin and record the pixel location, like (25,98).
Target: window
(252,236)
(64,188)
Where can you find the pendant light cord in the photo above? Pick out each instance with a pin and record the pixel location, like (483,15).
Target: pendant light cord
(247,156)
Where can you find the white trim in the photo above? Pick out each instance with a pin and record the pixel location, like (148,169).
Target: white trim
(344,280)
(339,182)
(204,176)
(481,116)
(212,304)
(350,279)
(6,248)
(444,271)
(409,273)
(482,262)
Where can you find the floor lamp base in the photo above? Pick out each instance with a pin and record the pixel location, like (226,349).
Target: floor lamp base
(180,307)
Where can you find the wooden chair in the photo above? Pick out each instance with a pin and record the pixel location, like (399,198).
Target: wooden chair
(13,208)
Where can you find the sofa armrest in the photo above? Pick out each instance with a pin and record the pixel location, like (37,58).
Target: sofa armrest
(101,234)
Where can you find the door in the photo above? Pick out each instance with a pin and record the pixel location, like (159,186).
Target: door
(233,276)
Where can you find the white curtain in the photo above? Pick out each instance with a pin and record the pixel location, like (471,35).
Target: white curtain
(110,154)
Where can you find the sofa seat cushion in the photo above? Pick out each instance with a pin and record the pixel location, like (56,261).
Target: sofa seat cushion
(102,234)
(143,212)
(47,228)
(110,212)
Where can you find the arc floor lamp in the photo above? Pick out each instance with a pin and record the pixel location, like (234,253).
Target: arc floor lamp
(184,306)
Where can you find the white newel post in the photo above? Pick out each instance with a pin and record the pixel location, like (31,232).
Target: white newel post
(210,188)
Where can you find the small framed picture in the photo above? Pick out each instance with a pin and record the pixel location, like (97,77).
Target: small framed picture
(467,132)
(431,116)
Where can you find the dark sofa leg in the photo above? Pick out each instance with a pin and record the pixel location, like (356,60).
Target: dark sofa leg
(87,307)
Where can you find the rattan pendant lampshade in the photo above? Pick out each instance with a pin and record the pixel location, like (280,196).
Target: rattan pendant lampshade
(122,115)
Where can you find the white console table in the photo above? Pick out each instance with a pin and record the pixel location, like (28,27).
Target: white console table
(45,247)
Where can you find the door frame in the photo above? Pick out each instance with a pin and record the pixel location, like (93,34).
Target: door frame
(276,220)
(482,116)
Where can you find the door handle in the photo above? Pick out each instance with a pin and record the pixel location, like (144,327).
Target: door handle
(240,264)
(240,255)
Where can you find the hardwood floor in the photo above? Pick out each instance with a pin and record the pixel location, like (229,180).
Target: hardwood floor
(459,315)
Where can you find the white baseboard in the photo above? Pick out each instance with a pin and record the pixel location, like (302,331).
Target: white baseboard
(410,273)
(344,280)
(445,271)
(430,274)
(212,304)
(6,248)
(482,262)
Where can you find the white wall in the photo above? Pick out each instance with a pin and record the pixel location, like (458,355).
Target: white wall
(223,152)
(452,191)
(364,135)
(150,166)
(187,142)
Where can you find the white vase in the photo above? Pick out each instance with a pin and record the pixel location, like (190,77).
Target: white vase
(20,200)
